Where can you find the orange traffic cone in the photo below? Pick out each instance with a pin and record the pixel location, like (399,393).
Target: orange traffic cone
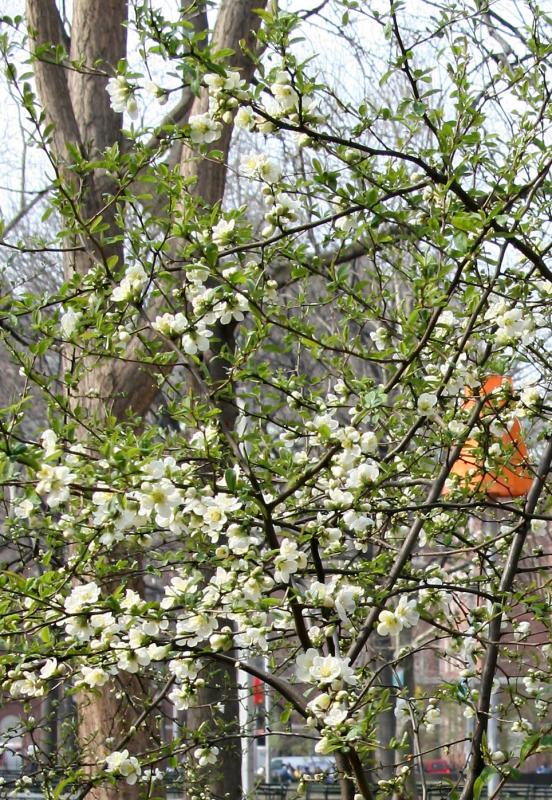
(511,480)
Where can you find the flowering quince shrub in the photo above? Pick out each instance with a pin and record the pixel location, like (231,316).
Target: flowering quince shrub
(284,502)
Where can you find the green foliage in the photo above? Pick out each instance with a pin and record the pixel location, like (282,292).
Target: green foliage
(249,412)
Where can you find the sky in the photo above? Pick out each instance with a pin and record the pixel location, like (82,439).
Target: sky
(25,166)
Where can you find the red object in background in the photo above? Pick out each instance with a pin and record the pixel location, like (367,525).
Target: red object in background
(437,767)
(511,480)
(258,692)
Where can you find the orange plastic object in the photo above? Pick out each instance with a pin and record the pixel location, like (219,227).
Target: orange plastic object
(509,481)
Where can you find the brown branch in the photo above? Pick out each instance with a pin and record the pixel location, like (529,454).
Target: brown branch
(469,202)
(493,646)
(281,685)
(412,537)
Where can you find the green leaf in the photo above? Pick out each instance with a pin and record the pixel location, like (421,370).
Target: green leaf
(528,746)
(46,636)
(481,781)
(467,222)
(285,715)
(59,790)
(230,479)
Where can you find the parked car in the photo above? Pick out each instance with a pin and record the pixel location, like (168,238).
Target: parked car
(286,769)
(438,766)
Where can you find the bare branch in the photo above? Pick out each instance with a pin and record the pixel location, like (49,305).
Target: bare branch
(22,213)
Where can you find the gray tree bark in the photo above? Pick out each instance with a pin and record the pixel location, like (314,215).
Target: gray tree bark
(77,104)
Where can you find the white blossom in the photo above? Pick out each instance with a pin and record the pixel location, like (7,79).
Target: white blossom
(170,324)
(406,612)
(160,498)
(160,94)
(338,713)
(24,509)
(48,440)
(54,482)
(223,231)
(326,670)
(323,746)
(389,624)
(204,129)
(402,710)
(68,322)
(288,561)
(131,285)
(121,95)
(286,97)
(380,337)
(206,755)
(49,669)
(94,676)
(259,165)
(530,396)
(539,527)
(432,717)
(81,597)
(304,663)
(426,403)
(120,762)
(244,119)
(29,685)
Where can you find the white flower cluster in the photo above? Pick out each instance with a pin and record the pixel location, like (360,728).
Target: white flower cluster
(260,166)
(69,321)
(204,129)
(513,324)
(530,399)
(25,684)
(185,671)
(224,91)
(120,762)
(283,209)
(284,94)
(330,709)
(407,710)
(209,306)
(160,498)
(81,597)
(54,482)
(171,324)
(288,561)
(122,96)
(405,615)
(206,755)
(324,671)
(336,594)
(330,712)
(426,404)
(131,286)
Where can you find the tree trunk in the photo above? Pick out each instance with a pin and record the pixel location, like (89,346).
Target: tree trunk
(236,21)
(385,756)
(78,105)
(218,711)
(346,784)
(79,108)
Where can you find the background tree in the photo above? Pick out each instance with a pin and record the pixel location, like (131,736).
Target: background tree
(252,430)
